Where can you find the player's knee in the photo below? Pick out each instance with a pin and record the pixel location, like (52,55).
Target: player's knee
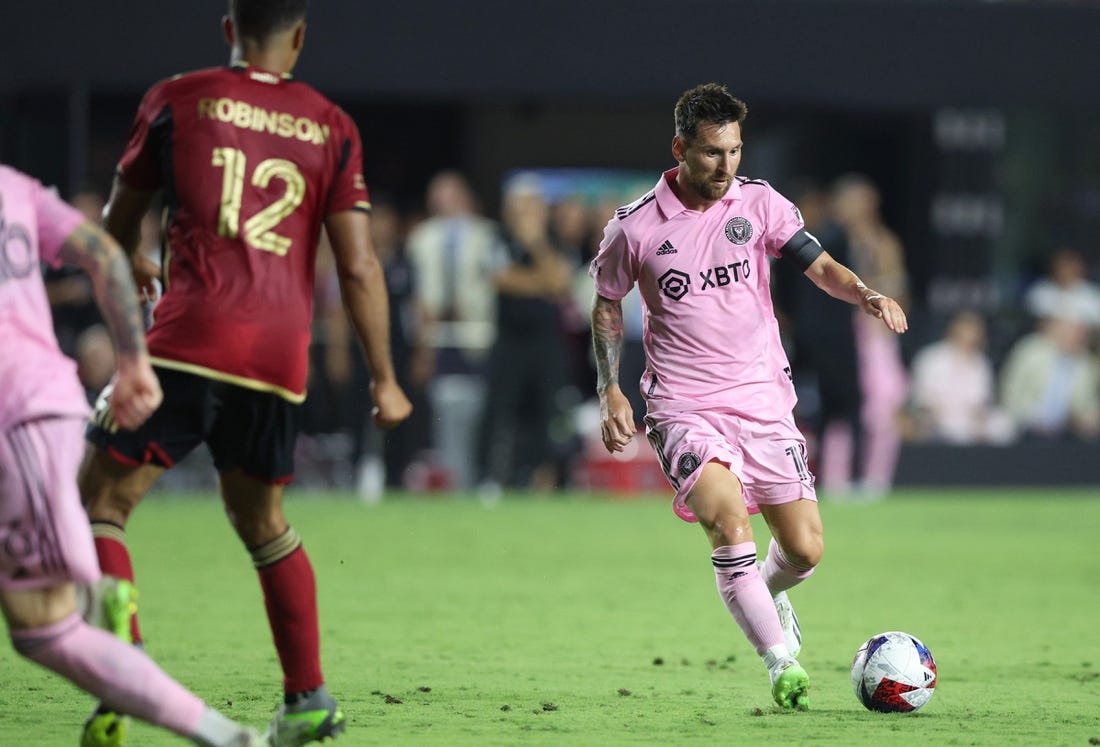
(806,552)
(727,529)
(257,528)
(113,504)
(107,497)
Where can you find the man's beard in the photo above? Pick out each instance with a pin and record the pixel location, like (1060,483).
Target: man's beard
(709,190)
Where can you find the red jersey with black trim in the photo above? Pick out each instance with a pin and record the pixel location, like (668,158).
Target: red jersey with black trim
(250,164)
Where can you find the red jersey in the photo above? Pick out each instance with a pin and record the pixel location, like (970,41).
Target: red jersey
(250,164)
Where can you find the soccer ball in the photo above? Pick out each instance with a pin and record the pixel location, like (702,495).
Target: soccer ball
(894,672)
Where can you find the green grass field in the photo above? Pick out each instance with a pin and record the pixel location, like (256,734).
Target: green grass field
(582,621)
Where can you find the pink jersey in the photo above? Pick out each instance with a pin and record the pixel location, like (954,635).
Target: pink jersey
(36,379)
(711,338)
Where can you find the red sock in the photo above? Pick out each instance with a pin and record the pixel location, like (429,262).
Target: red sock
(114,559)
(290,596)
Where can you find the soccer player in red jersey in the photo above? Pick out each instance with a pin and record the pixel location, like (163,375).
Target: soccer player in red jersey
(251,164)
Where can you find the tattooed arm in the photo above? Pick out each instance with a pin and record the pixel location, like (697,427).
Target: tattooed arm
(136,391)
(616,415)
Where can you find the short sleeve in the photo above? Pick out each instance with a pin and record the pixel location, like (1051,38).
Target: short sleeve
(139,166)
(784,220)
(615,267)
(349,189)
(56,221)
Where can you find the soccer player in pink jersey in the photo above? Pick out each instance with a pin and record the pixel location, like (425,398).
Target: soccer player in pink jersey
(717,384)
(46,547)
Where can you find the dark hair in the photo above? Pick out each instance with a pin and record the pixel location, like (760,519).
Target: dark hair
(258,19)
(708,103)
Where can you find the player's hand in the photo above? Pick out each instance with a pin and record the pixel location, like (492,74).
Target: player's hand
(888,310)
(136,392)
(616,419)
(391,406)
(146,272)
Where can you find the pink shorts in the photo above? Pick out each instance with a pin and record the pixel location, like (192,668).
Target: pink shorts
(768,458)
(45,538)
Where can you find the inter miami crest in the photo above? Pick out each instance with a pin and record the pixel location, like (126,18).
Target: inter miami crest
(739,230)
(689,462)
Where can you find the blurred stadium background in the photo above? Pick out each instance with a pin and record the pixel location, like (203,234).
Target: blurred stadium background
(978,123)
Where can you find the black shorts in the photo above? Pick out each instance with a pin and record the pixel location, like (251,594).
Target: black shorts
(244,429)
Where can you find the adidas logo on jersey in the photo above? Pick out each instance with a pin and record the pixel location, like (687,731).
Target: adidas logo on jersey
(666,248)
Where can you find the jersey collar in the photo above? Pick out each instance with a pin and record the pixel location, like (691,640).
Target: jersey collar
(670,204)
(256,73)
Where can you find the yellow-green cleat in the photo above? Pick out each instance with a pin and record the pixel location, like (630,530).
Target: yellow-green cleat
(105,728)
(791,687)
(119,608)
(317,718)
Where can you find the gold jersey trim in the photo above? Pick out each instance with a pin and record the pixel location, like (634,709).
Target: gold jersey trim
(209,373)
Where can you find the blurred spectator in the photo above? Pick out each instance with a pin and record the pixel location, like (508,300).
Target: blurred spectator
(823,337)
(1050,383)
(571,229)
(953,397)
(451,253)
(1066,292)
(68,288)
(571,233)
(528,366)
(329,364)
(95,360)
(877,257)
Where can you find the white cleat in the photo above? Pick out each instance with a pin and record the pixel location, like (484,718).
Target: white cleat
(792,634)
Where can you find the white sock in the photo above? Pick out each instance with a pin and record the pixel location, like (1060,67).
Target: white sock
(776,658)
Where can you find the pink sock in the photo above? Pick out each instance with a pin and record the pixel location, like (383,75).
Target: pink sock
(746,595)
(779,573)
(119,674)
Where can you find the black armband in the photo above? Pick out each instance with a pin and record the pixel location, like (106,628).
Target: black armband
(802,249)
